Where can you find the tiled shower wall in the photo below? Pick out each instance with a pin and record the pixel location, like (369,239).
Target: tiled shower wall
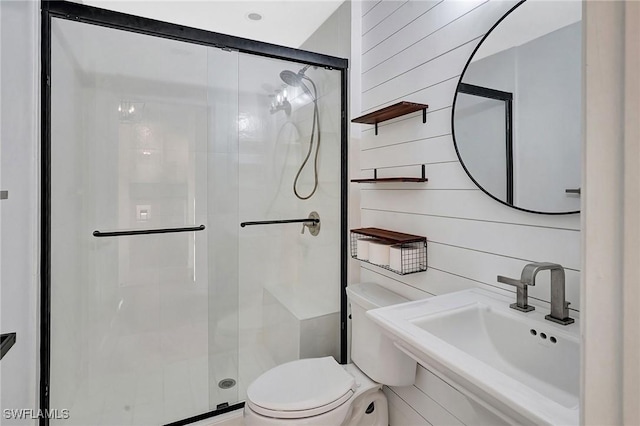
(415,51)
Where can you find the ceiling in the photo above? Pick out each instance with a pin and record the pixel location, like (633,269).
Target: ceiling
(285,22)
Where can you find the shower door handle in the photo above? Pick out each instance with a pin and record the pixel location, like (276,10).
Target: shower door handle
(147,231)
(312,222)
(278,222)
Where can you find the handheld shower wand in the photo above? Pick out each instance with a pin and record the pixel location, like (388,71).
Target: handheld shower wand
(296,80)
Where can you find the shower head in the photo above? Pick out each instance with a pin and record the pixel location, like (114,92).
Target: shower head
(292,78)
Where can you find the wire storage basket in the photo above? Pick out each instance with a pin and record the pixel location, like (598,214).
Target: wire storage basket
(397,252)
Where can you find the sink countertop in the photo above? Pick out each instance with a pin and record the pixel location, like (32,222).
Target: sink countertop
(475,339)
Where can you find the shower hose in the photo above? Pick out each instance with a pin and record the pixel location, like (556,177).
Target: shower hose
(316,123)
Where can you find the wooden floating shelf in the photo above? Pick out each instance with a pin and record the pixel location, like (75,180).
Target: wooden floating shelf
(376,179)
(393,111)
(389,236)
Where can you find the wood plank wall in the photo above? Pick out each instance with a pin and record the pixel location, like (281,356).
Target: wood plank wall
(415,51)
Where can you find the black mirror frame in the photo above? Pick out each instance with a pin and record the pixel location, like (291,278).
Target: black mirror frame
(453,131)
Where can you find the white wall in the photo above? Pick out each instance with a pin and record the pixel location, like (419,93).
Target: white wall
(333,38)
(19,136)
(610,333)
(415,51)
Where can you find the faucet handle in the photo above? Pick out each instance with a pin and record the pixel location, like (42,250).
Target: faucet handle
(521,292)
(510,281)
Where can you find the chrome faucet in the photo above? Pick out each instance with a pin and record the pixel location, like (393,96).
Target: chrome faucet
(521,286)
(559,306)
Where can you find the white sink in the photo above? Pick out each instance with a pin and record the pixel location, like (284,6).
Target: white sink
(496,354)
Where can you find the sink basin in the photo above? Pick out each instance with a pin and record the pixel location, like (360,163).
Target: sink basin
(520,363)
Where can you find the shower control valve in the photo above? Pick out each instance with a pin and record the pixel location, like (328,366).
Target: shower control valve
(314,226)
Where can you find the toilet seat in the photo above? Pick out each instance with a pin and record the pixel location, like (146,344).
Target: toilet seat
(300,414)
(302,388)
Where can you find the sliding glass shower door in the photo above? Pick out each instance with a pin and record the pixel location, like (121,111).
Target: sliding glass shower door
(290,143)
(162,305)
(144,226)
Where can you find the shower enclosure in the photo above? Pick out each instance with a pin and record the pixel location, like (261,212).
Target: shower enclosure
(158,142)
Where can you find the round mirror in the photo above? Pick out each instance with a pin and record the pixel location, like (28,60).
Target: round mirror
(517,113)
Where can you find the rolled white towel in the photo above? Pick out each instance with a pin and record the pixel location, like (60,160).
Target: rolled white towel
(411,256)
(395,258)
(379,253)
(363,249)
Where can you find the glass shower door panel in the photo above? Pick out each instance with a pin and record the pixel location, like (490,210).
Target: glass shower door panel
(289,282)
(222,219)
(131,144)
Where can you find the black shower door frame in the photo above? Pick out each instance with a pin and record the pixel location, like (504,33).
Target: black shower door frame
(507,98)
(125,22)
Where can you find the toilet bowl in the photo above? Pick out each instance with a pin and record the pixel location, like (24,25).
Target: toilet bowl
(315,391)
(320,391)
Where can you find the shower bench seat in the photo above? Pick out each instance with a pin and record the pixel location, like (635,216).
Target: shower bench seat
(300,324)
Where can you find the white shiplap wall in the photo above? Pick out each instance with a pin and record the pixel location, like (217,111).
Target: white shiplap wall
(415,51)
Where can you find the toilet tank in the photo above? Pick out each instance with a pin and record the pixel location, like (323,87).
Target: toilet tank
(371,350)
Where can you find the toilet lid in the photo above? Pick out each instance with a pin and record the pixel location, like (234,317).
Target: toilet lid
(301,385)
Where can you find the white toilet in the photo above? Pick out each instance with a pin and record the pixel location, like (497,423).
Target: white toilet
(319,391)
